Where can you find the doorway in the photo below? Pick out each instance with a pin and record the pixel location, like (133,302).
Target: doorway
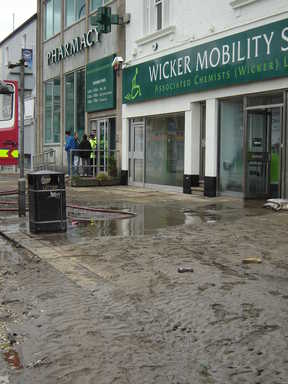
(136,151)
(105,133)
(263,165)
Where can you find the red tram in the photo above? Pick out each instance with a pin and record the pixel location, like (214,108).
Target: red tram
(9,122)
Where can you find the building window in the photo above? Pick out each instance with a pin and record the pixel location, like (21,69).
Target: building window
(75,102)
(52,111)
(159,10)
(52,17)
(231,145)
(164,150)
(94,4)
(75,10)
(156,15)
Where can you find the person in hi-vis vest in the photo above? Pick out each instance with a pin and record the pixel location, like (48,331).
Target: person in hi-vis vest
(93,143)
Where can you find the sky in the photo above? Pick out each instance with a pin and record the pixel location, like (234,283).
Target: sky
(23,10)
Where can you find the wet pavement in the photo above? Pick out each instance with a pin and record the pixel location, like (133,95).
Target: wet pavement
(105,302)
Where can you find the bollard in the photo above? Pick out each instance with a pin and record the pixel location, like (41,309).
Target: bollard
(21,197)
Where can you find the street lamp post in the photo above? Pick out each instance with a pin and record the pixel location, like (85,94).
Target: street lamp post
(21,181)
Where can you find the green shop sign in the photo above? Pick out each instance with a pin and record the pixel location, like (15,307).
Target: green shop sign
(100,85)
(254,55)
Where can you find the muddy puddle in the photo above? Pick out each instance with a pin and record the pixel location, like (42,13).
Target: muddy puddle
(126,219)
(148,219)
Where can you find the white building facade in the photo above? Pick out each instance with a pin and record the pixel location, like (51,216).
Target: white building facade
(205,96)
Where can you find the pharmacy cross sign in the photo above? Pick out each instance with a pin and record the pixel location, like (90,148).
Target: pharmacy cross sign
(254,55)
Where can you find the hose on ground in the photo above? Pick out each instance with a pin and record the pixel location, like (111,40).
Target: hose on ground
(91,209)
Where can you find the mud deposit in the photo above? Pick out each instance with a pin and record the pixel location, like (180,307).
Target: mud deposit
(117,310)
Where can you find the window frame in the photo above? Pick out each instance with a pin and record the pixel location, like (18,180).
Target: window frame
(151,16)
(55,30)
(75,97)
(103,3)
(75,18)
(46,83)
(159,4)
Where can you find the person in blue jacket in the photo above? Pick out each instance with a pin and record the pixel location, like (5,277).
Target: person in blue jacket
(70,144)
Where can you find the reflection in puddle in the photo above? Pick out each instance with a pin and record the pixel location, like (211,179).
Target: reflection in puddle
(208,216)
(147,220)
(193,218)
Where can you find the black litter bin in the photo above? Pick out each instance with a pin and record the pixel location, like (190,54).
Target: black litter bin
(47,202)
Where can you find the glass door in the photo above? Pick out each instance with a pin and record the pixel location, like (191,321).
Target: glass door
(263,152)
(136,152)
(105,133)
(103,145)
(257,154)
(275,152)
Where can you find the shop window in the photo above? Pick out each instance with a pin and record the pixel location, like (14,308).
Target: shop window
(156,15)
(80,100)
(52,17)
(260,100)
(231,145)
(165,150)
(52,111)
(94,4)
(69,102)
(75,102)
(74,10)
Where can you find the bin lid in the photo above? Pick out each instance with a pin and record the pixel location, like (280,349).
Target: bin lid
(45,173)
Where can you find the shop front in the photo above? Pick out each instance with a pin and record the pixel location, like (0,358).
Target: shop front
(216,112)
(77,84)
(156,150)
(102,113)
(252,159)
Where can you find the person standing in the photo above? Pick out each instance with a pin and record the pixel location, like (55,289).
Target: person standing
(84,153)
(75,155)
(93,144)
(69,144)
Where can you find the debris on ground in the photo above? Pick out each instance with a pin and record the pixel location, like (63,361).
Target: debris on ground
(252,260)
(39,363)
(13,359)
(185,269)
(11,336)
(277,204)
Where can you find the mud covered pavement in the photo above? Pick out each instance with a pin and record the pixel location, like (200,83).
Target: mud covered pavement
(115,309)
